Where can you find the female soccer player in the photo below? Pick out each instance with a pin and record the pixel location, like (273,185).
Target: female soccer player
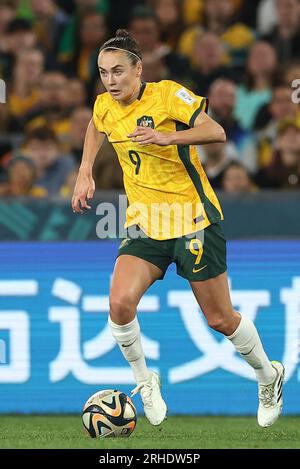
(173,209)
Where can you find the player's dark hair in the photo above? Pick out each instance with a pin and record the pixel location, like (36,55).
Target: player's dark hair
(123,40)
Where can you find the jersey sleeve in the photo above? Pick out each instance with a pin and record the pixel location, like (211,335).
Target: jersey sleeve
(98,114)
(182,104)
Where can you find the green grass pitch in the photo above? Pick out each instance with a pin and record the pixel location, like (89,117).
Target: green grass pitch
(181,432)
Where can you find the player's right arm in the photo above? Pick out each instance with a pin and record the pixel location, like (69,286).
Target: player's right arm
(85,185)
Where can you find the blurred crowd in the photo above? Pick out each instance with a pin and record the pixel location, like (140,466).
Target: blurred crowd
(244,55)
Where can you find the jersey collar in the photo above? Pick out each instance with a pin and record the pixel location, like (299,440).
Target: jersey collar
(142,89)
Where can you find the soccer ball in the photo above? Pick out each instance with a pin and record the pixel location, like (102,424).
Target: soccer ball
(109,413)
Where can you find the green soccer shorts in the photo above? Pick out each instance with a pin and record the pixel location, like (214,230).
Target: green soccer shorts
(199,256)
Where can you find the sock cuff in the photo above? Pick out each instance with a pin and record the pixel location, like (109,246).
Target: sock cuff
(126,332)
(244,324)
(124,327)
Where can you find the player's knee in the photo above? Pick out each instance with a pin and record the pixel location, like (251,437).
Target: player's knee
(122,307)
(224,323)
(216,322)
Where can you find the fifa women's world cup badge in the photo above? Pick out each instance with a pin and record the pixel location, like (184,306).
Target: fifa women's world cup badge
(146,121)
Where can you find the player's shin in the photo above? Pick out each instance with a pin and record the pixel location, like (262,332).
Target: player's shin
(247,342)
(128,338)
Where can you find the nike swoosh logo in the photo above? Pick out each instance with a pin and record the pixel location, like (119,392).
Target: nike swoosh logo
(128,345)
(248,353)
(198,270)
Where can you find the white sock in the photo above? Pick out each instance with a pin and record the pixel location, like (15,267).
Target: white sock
(128,338)
(247,342)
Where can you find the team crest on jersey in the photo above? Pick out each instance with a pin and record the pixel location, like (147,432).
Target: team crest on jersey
(146,121)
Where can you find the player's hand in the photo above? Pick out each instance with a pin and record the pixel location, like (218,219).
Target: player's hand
(84,189)
(147,136)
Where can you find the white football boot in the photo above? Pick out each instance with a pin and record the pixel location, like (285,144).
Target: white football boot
(154,406)
(270,398)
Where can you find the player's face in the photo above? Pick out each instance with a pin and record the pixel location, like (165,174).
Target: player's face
(120,78)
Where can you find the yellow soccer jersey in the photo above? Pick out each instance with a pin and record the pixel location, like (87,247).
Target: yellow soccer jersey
(168,192)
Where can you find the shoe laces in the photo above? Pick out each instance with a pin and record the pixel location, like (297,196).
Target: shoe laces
(145,388)
(266,394)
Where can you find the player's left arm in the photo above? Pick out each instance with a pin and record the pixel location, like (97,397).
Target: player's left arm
(205,130)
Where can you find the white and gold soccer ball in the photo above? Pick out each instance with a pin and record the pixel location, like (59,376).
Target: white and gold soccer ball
(109,413)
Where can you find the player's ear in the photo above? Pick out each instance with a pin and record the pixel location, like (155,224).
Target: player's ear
(139,69)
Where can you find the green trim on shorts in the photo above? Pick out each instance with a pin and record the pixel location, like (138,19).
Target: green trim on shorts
(198,257)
